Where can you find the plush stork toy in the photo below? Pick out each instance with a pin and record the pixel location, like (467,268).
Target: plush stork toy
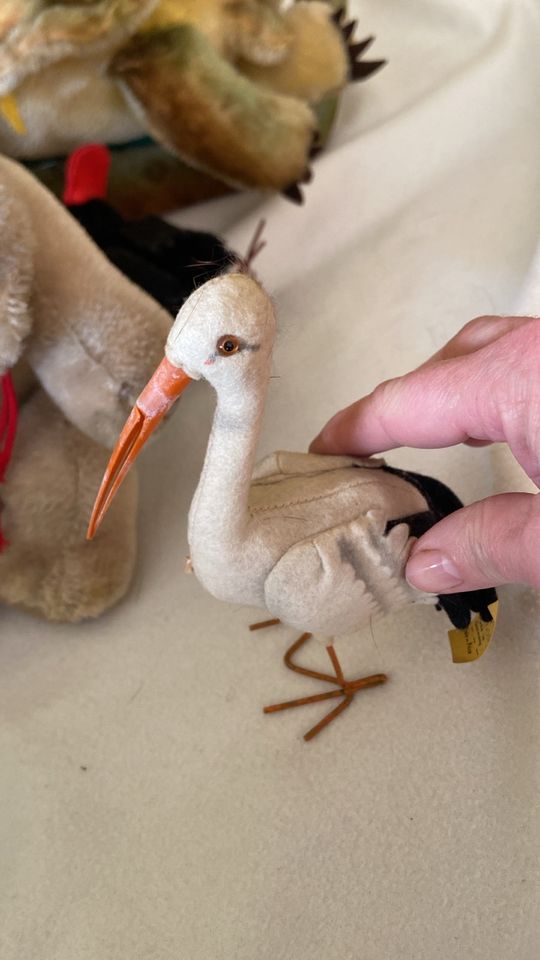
(321,542)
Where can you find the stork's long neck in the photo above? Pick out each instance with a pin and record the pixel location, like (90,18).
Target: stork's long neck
(219,514)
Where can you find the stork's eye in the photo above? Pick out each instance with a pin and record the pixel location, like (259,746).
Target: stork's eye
(228,345)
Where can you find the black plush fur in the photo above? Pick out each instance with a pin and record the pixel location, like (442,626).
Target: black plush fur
(169,263)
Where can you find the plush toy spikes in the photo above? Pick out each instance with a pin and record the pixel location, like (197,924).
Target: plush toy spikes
(293,191)
(349,28)
(356,49)
(359,70)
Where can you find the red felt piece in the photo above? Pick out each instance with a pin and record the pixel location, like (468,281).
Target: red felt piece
(87,174)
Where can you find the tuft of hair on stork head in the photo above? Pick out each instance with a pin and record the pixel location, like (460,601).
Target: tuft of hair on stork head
(224,333)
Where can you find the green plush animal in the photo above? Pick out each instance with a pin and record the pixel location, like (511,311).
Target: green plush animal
(200,95)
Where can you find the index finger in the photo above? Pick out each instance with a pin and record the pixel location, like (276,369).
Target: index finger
(477,396)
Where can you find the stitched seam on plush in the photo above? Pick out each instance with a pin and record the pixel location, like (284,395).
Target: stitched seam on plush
(322,496)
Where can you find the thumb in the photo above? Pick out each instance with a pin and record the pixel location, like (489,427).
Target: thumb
(491,542)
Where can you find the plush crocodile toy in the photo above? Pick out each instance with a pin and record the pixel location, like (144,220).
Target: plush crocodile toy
(201,95)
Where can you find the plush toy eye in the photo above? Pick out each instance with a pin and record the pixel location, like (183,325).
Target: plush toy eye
(228,345)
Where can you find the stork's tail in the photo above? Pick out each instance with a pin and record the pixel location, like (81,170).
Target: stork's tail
(441,502)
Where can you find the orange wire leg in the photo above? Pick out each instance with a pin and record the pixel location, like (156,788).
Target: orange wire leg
(264,623)
(346,689)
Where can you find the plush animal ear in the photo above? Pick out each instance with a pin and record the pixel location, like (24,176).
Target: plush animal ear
(16,270)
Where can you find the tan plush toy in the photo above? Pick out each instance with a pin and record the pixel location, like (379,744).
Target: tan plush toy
(237,89)
(79,340)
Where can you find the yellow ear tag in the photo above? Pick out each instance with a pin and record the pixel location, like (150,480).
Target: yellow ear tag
(471,643)
(10,112)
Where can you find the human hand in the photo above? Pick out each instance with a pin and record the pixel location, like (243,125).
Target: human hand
(482,387)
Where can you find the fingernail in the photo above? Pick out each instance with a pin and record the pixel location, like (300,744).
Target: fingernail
(431,571)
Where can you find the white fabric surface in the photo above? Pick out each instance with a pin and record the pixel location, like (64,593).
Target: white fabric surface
(200,828)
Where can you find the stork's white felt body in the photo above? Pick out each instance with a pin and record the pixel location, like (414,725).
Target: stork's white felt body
(316,552)
(303,535)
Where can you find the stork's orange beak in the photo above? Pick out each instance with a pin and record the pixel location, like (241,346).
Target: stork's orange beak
(158,396)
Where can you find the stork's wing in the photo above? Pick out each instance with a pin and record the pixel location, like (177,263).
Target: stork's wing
(282,463)
(335,582)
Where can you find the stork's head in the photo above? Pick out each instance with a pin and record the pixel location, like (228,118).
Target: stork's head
(224,334)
